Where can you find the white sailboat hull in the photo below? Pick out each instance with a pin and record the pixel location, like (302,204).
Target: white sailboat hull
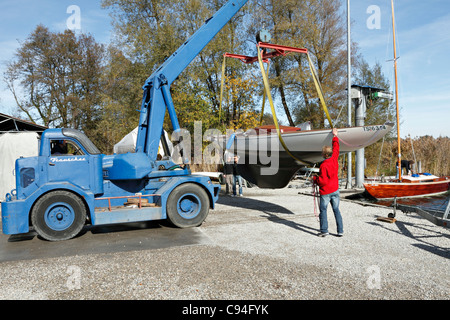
(265,162)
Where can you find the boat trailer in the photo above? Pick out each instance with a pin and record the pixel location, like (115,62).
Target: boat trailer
(438,217)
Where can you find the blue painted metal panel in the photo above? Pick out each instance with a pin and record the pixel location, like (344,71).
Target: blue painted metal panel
(16,213)
(70,168)
(129,166)
(15,217)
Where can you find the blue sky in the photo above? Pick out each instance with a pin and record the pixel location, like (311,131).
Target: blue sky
(423,43)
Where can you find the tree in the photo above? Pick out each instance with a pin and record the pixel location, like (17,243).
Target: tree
(121,98)
(379,156)
(150,31)
(319,26)
(58,76)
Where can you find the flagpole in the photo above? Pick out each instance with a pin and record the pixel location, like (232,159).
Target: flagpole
(349,95)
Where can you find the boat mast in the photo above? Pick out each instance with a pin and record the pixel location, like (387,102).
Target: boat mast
(396,95)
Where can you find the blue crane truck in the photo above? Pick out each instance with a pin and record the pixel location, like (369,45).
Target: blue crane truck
(58,194)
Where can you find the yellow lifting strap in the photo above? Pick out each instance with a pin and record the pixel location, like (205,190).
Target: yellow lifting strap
(319,89)
(266,93)
(264,96)
(269,96)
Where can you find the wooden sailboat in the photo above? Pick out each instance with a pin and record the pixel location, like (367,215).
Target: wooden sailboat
(406,186)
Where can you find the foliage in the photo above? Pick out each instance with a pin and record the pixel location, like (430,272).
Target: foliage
(319,26)
(430,152)
(121,97)
(55,79)
(378,110)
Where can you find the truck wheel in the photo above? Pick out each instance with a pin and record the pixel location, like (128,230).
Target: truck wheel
(58,215)
(187,206)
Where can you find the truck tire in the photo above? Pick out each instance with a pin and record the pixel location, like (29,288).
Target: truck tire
(187,206)
(58,215)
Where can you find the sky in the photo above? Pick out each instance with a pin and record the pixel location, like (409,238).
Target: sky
(422,37)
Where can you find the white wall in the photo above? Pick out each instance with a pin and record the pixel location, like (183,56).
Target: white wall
(13,145)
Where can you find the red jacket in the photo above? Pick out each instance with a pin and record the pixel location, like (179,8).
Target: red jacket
(328,173)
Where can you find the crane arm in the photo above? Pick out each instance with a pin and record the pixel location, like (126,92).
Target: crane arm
(157,99)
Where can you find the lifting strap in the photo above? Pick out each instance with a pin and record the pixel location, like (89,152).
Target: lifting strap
(269,96)
(264,96)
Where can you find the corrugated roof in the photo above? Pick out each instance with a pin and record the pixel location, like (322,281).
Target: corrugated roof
(9,123)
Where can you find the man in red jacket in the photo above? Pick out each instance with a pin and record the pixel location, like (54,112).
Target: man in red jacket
(328,183)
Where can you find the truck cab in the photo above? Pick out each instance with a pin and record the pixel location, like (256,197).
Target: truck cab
(79,164)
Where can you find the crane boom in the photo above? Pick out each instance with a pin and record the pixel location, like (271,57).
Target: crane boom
(157,98)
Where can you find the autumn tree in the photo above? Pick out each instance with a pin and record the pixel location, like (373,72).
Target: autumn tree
(378,111)
(55,79)
(120,99)
(150,31)
(319,26)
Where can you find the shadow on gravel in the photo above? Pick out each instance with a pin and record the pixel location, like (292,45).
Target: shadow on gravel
(267,208)
(292,224)
(408,229)
(252,204)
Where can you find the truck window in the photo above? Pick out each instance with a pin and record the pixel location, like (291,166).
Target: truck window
(65,148)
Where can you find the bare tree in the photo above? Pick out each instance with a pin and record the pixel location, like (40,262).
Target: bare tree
(55,78)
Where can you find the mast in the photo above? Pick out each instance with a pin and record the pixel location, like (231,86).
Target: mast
(396,95)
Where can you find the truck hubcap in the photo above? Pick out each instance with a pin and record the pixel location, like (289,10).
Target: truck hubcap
(189,206)
(59,216)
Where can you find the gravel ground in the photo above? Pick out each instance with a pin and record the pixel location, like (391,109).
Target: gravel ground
(260,246)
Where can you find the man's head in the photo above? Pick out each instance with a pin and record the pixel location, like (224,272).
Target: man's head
(327,151)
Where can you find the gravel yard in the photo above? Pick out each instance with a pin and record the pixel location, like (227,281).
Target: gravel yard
(260,246)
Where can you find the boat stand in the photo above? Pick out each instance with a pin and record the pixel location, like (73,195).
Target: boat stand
(391,216)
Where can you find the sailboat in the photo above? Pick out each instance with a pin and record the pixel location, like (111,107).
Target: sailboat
(269,156)
(410,185)
(269,162)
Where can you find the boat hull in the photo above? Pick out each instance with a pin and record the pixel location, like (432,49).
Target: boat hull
(389,190)
(264,161)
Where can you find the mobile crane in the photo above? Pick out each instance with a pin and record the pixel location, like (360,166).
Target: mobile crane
(58,194)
